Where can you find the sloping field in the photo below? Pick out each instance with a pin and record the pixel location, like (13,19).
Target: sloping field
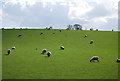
(26,62)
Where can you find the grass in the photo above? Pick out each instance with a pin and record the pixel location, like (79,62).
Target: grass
(72,63)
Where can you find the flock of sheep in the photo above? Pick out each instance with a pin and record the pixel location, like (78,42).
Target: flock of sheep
(48,53)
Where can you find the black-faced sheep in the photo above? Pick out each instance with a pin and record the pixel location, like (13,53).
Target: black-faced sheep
(14,47)
(48,53)
(94,58)
(44,51)
(118,60)
(62,47)
(19,35)
(91,42)
(8,51)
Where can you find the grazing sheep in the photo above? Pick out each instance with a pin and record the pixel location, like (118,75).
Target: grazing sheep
(118,60)
(91,42)
(41,33)
(44,51)
(94,58)
(8,51)
(14,47)
(62,47)
(48,53)
(85,36)
(19,35)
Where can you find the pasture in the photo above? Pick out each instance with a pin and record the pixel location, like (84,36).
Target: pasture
(26,62)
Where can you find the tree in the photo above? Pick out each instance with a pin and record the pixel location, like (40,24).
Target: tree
(69,27)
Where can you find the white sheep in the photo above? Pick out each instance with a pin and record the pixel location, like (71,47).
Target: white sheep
(44,51)
(91,42)
(8,51)
(13,47)
(85,36)
(94,58)
(62,47)
(118,60)
(48,53)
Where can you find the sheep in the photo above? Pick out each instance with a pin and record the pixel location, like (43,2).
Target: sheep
(85,36)
(91,42)
(48,53)
(19,35)
(8,51)
(44,51)
(94,58)
(14,47)
(118,60)
(62,47)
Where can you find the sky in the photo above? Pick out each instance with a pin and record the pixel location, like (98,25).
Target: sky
(96,14)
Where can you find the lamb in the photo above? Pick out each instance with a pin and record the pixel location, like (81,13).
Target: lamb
(8,51)
(62,47)
(48,53)
(14,47)
(118,60)
(44,51)
(91,42)
(94,58)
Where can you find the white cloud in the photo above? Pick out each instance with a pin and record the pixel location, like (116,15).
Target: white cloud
(96,13)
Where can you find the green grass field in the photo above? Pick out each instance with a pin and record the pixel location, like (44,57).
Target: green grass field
(72,63)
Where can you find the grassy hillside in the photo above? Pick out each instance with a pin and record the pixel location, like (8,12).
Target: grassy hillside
(72,63)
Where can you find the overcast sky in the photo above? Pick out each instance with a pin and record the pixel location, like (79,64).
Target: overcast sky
(101,14)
